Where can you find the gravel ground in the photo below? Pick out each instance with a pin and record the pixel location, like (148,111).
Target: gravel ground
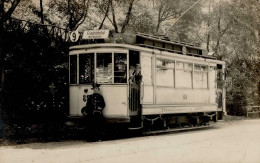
(227,141)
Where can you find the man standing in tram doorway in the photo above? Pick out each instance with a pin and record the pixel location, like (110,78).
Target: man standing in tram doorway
(138,80)
(137,75)
(93,113)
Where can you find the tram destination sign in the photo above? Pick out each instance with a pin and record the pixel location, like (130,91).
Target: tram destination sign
(95,34)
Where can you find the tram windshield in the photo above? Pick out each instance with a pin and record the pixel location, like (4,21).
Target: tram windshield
(104,68)
(86,68)
(109,68)
(73,69)
(120,68)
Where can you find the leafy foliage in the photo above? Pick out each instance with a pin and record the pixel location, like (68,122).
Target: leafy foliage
(36,75)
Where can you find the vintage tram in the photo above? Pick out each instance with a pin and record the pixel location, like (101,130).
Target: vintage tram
(181,83)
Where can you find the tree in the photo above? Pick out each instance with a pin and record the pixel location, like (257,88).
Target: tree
(188,27)
(27,65)
(168,10)
(5,14)
(105,7)
(42,15)
(142,20)
(236,40)
(68,14)
(124,22)
(77,13)
(127,18)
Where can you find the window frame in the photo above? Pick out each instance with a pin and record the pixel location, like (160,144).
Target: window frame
(95,51)
(183,69)
(175,69)
(78,63)
(112,51)
(77,60)
(207,72)
(167,68)
(112,66)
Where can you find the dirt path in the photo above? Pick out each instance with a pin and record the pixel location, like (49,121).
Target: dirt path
(227,142)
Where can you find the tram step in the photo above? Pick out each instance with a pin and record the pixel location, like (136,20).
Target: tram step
(135,128)
(174,129)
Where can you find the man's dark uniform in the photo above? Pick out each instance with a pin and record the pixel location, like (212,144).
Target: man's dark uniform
(95,104)
(138,80)
(95,121)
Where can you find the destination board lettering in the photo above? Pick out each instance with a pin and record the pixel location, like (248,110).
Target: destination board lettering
(95,34)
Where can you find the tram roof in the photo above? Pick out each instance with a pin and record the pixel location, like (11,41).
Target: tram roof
(160,43)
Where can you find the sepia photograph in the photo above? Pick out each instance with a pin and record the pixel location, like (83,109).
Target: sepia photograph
(123,81)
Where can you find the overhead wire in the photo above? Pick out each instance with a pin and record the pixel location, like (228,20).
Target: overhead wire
(181,16)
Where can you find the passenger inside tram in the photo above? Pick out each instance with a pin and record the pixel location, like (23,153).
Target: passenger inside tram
(135,79)
(131,74)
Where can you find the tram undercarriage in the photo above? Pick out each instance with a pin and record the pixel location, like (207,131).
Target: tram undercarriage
(168,122)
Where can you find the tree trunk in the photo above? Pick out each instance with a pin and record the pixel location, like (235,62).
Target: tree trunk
(114,17)
(41,11)
(2,70)
(216,48)
(128,14)
(83,17)
(208,24)
(70,15)
(208,40)
(1,60)
(107,10)
(158,20)
(6,15)
(158,26)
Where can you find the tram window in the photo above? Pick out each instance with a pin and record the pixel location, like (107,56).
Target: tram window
(165,72)
(165,63)
(219,77)
(86,68)
(73,69)
(212,74)
(200,76)
(120,67)
(104,68)
(183,75)
(165,77)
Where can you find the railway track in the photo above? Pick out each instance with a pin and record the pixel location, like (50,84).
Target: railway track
(175,129)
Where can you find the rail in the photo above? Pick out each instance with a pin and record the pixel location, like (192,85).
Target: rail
(253,110)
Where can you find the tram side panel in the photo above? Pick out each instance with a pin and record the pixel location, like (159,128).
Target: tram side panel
(78,98)
(178,100)
(182,96)
(74,101)
(147,91)
(115,97)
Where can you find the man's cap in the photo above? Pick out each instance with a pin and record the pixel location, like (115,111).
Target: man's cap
(95,85)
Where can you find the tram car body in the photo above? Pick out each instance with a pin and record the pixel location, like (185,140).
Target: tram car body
(181,83)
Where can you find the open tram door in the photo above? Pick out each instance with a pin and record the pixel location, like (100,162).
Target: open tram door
(134,86)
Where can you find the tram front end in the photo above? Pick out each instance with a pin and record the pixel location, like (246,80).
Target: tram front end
(108,66)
